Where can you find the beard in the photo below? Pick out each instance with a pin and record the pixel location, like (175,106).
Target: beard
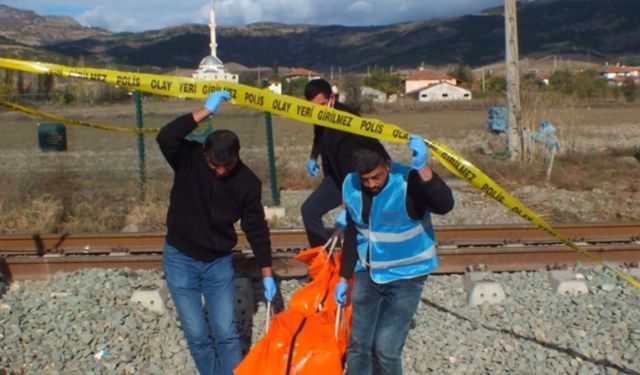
(371,191)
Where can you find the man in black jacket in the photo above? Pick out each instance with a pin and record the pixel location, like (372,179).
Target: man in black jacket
(212,189)
(336,148)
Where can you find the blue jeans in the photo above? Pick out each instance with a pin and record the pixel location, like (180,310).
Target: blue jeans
(323,199)
(189,280)
(382,315)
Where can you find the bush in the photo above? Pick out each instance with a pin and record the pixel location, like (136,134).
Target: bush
(351,86)
(629,90)
(384,81)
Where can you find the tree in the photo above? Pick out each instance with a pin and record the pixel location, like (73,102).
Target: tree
(384,81)
(531,81)
(20,85)
(496,84)
(463,73)
(275,73)
(562,81)
(294,87)
(9,77)
(7,87)
(44,85)
(588,84)
(351,86)
(616,91)
(629,89)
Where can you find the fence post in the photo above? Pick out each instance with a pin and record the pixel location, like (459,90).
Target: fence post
(137,96)
(275,191)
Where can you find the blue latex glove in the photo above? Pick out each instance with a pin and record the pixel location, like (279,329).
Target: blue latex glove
(420,151)
(341,219)
(269,287)
(340,293)
(214,99)
(312,168)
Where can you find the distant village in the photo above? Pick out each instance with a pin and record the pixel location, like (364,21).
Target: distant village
(423,84)
(420,84)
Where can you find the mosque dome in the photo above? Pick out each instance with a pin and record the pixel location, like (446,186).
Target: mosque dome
(211,64)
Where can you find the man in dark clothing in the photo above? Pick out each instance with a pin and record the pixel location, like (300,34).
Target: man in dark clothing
(212,189)
(389,242)
(336,148)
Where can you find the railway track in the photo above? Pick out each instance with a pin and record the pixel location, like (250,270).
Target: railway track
(499,248)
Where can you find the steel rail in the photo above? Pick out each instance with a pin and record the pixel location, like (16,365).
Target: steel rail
(296,239)
(499,248)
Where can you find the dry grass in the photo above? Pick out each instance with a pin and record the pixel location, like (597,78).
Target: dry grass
(147,214)
(38,215)
(94,187)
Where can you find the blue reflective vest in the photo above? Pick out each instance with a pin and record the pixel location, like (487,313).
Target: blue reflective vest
(392,246)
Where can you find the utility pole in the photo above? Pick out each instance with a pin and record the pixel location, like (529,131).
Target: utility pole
(515,132)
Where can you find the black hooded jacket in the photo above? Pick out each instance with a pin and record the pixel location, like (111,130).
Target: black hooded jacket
(204,207)
(336,148)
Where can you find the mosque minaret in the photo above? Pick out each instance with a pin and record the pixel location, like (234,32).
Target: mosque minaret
(212,28)
(211,68)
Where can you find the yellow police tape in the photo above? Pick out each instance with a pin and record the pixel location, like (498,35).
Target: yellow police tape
(304,111)
(245,96)
(69,121)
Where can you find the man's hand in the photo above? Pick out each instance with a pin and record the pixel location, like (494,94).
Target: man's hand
(214,99)
(341,220)
(340,293)
(420,151)
(269,287)
(312,168)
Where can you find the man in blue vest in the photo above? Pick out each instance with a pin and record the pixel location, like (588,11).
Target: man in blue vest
(389,243)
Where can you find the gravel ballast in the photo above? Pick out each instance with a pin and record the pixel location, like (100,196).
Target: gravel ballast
(84,323)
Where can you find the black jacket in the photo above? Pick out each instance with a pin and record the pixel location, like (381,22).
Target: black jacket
(204,207)
(336,147)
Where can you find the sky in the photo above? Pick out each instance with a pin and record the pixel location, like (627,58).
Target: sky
(135,15)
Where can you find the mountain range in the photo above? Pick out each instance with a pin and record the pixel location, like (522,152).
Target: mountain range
(600,29)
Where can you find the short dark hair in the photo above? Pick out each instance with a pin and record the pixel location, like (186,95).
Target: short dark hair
(222,145)
(317,86)
(369,156)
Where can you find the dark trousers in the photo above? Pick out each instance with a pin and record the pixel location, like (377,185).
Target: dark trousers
(323,199)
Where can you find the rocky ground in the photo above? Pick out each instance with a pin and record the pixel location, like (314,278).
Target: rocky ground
(474,208)
(84,323)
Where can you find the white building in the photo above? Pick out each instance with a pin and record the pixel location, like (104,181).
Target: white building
(618,74)
(425,77)
(211,68)
(297,73)
(275,87)
(440,92)
(366,92)
(612,72)
(374,95)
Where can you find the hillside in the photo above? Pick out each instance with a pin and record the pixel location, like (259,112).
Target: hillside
(29,28)
(602,30)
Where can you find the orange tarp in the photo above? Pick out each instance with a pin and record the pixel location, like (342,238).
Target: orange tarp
(302,340)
